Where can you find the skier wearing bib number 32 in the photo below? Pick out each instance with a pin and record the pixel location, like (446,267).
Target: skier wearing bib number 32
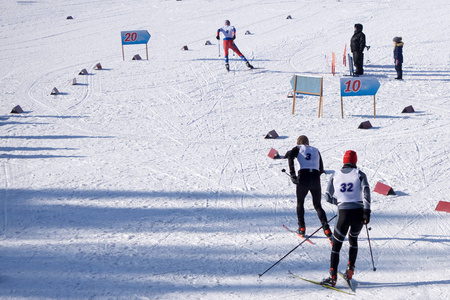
(308,180)
(349,189)
(229,33)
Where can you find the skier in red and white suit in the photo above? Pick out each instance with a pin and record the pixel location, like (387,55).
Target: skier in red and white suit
(229,33)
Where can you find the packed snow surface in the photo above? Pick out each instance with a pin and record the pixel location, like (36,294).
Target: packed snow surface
(150,179)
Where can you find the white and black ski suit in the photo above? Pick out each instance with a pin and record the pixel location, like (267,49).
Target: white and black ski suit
(349,190)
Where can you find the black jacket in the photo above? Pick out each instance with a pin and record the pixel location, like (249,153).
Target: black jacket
(358,41)
(398,52)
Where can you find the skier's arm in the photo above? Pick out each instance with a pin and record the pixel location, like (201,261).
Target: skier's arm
(366,190)
(321,170)
(330,192)
(292,156)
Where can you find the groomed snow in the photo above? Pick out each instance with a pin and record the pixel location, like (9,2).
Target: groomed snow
(151,180)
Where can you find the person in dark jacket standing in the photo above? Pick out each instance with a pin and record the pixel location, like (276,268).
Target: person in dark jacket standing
(308,180)
(357,45)
(398,56)
(350,191)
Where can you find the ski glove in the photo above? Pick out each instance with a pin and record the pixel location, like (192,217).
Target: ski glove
(217,37)
(294,179)
(366,216)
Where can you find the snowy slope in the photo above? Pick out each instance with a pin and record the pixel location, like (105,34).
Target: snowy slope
(151,180)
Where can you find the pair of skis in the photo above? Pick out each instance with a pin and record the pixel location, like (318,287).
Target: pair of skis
(305,237)
(349,283)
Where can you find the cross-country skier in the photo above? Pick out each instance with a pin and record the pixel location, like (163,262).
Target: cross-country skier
(229,33)
(398,56)
(349,190)
(308,180)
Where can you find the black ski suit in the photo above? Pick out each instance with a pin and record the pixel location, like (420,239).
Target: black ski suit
(308,181)
(357,45)
(351,214)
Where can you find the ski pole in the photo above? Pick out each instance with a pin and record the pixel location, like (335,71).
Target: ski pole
(370,248)
(284,171)
(307,238)
(290,176)
(218,44)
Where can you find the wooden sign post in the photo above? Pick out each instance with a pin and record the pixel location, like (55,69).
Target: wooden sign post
(133,38)
(308,86)
(362,86)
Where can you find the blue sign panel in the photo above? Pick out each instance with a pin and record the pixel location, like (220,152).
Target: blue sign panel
(135,37)
(361,86)
(307,85)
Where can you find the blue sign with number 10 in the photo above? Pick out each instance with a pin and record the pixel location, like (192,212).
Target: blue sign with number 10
(364,86)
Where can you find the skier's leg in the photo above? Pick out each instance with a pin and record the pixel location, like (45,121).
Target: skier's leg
(316,193)
(226,47)
(340,231)
(236,50)
(355,229)
(301,192)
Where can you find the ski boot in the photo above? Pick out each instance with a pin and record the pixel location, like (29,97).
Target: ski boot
(301,231)
(330,281)
(349,272)
(249,65)
(327,231)
(227,66)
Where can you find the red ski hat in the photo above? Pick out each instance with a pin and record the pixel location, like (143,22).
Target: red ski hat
(350,157)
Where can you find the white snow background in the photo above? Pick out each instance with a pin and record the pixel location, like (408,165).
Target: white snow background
(151,180)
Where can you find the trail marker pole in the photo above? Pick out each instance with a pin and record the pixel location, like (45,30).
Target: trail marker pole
(344,58)
(333,63)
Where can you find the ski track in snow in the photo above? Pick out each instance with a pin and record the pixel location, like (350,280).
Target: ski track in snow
(150,179)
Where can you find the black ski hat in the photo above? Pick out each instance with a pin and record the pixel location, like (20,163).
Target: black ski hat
(358,27)
(397,39)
